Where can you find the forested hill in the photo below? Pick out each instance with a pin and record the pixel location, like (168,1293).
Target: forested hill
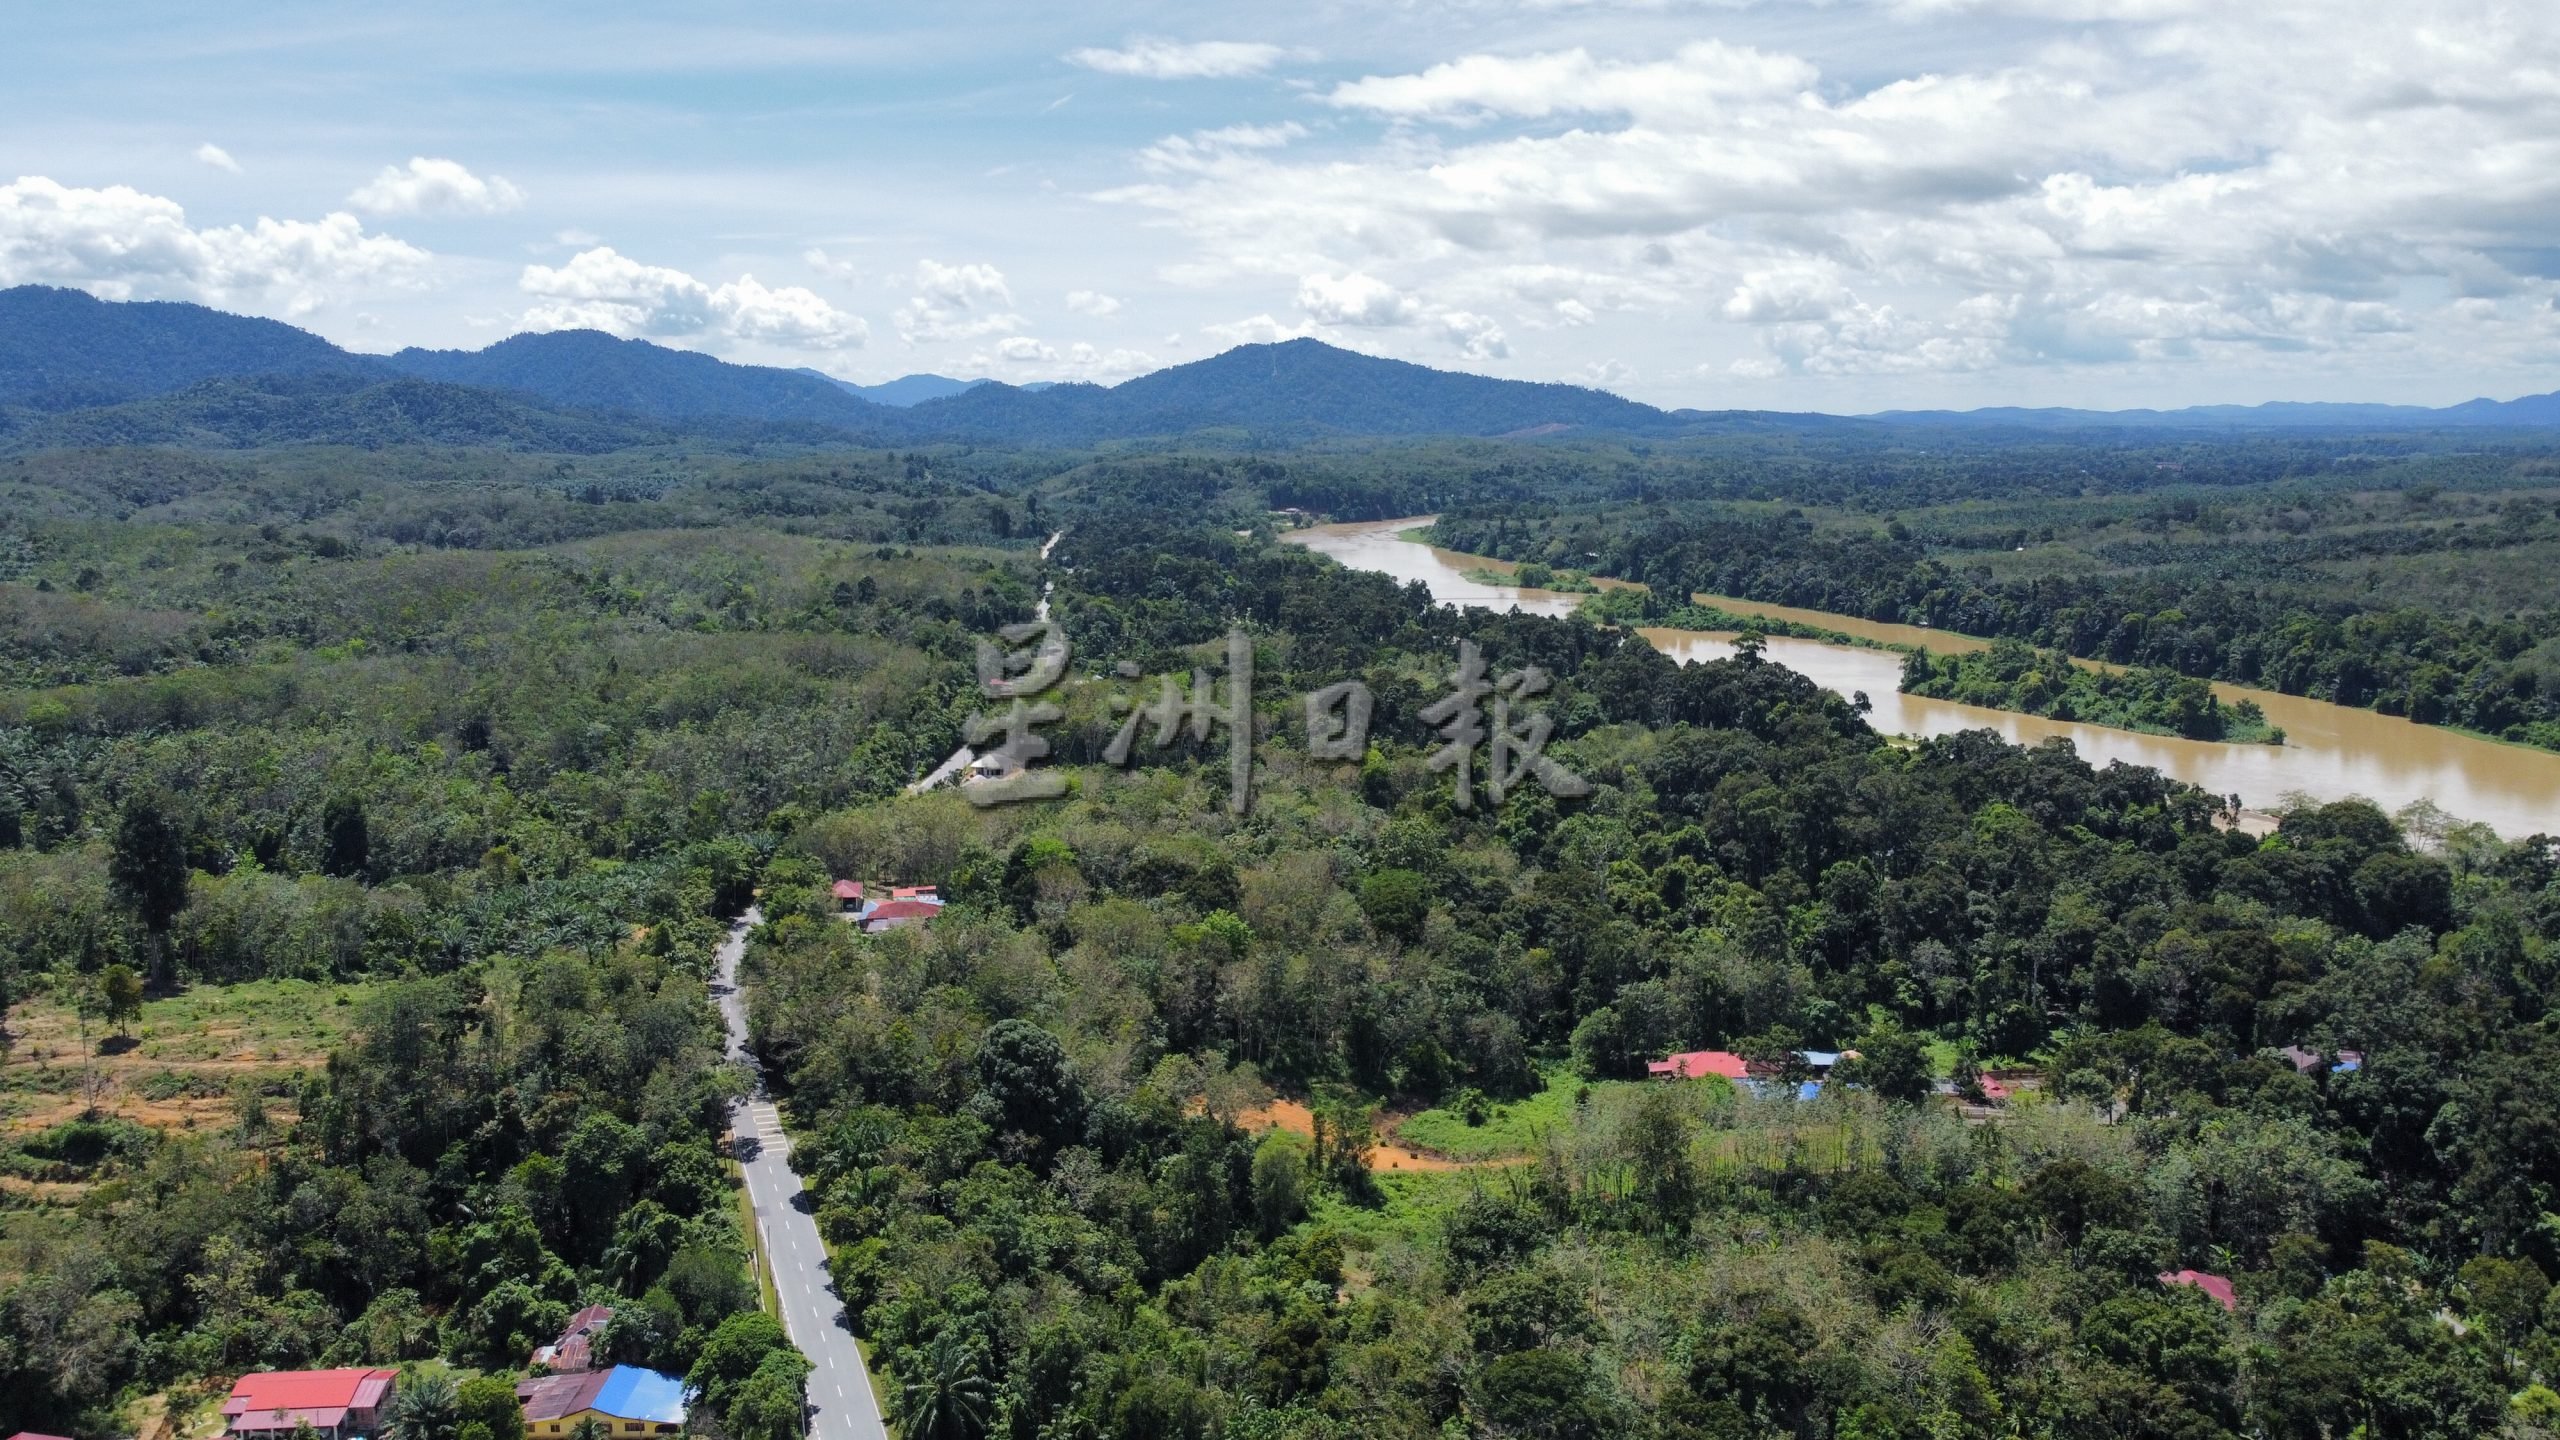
(63,350)
(590,370)
(1295,387)
(370,412)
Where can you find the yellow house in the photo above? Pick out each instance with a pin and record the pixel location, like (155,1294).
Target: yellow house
(627,1400)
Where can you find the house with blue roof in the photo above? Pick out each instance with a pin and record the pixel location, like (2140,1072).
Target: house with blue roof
(626,1399)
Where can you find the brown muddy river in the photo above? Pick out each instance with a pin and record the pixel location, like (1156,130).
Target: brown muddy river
(2330,751)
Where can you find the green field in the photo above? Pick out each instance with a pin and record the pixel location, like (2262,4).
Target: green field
(1511,1127)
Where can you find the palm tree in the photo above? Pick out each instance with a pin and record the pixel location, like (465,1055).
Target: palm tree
(947,1399)
(590,1428)
(427,1409)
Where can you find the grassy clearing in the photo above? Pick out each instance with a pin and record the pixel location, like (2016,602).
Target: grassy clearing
(183,1061)
(1512,1127)
(1416,1202)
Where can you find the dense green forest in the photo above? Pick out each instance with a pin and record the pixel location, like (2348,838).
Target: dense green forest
(1024,1122)
(2428,596)
(321,719)
(2012,675)
(491,746)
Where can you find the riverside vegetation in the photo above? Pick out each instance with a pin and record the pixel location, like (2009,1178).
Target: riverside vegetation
(491,744)
(2013,675)
(2416,585)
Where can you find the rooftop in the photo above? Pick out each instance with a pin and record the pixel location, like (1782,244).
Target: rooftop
(358,1389)
(2216,1286)
(1691,1064)
(625,1392)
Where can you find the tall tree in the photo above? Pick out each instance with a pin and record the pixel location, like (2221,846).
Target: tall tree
(149,868)
(948,1397)
(1666,1179)
(345,845)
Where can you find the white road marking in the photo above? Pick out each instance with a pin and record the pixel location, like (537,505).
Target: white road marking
(809,1314)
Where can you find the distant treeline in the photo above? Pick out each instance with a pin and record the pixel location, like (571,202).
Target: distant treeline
(2495,675)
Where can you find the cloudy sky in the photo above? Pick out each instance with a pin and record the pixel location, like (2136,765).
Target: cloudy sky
(1841,206)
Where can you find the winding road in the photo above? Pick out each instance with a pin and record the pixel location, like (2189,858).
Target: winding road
(841,1404)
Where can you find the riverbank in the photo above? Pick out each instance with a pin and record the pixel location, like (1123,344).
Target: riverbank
(2331,751)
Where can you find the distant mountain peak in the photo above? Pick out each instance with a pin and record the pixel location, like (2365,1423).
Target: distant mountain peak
(63,351)
(906,390)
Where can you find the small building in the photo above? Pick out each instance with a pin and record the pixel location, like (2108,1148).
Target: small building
(2217,1286)
(1999,1087)
(1694,1064)
(894,914)
(337,1404)
(848,895)
(575,1350)
(2306,1061)
(625,1399)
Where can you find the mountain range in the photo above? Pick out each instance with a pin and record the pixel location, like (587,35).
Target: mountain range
(75,369)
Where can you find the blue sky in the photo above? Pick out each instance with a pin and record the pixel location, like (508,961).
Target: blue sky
(1843,206)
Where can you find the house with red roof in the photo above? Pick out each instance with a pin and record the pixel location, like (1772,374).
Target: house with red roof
(575,1350)
(1693,1064)
(848,895)
(339,1404)
(897,913)
(2216,1286)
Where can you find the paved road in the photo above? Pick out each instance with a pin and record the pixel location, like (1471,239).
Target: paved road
(841,1406)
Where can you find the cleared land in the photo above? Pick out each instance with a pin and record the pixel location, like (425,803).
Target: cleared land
(184,1064)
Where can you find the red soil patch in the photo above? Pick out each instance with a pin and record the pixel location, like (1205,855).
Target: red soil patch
(1295,1118)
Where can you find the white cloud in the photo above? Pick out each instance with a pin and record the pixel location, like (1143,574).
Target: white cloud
(834,267)
(434,187)
(1698,81)
(1476,336)
(1175,60)
(1034,359)
(1092,302)
(122,244)
(957,302)
(1201,150)
(1366,302)
(1355,299)
(1608,374)
(1107,367)
(214,155)
(601,289)
(1261,330)
(2120,183)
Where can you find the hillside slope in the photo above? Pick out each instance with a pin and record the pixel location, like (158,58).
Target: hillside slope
(64,349)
